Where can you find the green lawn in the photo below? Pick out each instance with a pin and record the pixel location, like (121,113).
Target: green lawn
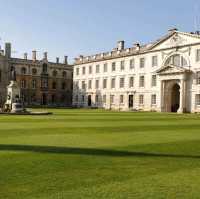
(98,154)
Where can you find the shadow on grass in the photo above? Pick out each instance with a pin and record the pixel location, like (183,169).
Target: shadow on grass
(89,151)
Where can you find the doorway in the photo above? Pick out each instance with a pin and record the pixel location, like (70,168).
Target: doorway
(89,100)
(175,98)
(130,101)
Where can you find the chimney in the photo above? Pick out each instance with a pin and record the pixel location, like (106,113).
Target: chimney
(8,50)
(34,56)
(25,56)
(173,30)
(57,60)
(137,45)
(45,56)
(120,45)
(66,59)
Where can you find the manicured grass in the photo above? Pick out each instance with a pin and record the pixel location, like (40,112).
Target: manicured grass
(98,154)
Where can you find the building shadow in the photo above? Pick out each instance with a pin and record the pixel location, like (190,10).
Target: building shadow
(90,151)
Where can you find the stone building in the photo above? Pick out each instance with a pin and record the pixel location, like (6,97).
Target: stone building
(160,76)
(42,82)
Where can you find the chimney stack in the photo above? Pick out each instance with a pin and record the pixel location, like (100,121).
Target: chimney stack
(137,45)
(120,45)
(45,56)
(8,50)
(25,56)
(34,56)
(66,59)
(57,60)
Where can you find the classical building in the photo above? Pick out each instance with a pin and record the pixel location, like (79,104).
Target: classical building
(161,76)
(42,82)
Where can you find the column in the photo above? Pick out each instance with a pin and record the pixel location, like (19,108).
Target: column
(162,96)
(182,92)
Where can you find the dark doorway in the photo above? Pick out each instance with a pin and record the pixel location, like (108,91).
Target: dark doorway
(89,100)
(175,99)
(130,101)
(44,99)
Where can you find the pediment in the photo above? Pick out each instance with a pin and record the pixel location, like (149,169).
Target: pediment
(171,70)
(176,39)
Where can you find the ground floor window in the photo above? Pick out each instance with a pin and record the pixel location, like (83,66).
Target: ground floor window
(97,99)
(153,100)
(121,99)
(141,99)
(112,99)
(197,99)
(104,99)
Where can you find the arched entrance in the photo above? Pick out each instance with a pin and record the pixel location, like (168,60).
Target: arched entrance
(175,98)
(89,100)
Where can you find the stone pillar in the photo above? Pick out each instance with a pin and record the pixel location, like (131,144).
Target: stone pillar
(162,96)
(182,96)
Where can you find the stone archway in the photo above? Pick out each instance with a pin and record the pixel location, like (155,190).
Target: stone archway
(175,98)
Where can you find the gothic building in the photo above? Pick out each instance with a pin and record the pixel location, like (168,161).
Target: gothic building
(42,82)
(160,76)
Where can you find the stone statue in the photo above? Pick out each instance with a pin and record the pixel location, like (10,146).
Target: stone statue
(13,74)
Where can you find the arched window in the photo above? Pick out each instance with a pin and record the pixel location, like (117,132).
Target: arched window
(63,86)
(44,68)
(176,60)
(55,73)
(54,85)
(23,70)
(64,74)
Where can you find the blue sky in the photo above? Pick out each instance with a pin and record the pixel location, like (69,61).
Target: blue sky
(74,27)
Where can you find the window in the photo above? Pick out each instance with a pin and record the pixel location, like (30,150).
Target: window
(121,99)
(97,68)
(113,66)
(34,71)
(112,99)
(97,99)
(153,80)
(83,98)
(83,71)
(23,71)
(0,76)
(197,99)
(122,65)
(132,64)
(113,83)
(198,55)
(141,99)
(153,100)
(105,83)
(104,99)
(63,86)
(34,85)
(105,68)
(77,71)
(131,82)
(141,82)
(76,98)
(64,74)
(142,62)
(97,84)
(121,83)
(23,83)
(90,69)
(54,85)
(198,78)
(154,61)
(44,68)
(55,73)
(44,83)
(83,85)
(176,60)
(90,84)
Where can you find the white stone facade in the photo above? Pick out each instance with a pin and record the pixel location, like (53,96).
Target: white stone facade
(163,76)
